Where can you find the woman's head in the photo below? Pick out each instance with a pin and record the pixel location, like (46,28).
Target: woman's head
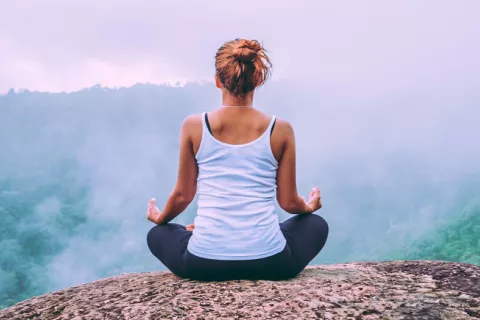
(241,66)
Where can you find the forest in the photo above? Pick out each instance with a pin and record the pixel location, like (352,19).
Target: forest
(400,177)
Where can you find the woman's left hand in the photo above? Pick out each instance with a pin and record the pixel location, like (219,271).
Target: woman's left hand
(190,227)
(153,213)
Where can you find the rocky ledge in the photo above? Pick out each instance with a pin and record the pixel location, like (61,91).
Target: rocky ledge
(385,290)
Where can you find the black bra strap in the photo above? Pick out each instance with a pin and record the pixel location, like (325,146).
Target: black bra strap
(273,126)
(208,123)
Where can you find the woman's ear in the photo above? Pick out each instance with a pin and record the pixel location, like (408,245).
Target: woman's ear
(217,82)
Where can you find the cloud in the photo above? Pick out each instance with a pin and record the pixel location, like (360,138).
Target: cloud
(369,46)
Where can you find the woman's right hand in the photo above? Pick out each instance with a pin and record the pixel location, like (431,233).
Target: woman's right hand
(314,200)
(153,213)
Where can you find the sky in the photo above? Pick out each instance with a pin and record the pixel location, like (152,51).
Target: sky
(365,47)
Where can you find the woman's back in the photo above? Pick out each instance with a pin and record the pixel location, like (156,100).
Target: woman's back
(236,187)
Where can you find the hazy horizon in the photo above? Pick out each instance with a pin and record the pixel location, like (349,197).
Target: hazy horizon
(370,47)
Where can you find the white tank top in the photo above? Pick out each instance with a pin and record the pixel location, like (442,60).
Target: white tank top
(236,188)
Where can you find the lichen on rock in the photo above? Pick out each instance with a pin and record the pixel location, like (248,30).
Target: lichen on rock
(409,290)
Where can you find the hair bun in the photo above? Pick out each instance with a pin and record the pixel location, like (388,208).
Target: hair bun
(247,50)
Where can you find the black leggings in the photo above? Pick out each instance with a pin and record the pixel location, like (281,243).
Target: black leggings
(306,235)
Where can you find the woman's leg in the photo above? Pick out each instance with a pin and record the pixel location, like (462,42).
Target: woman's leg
(306,235)
(274,267)
(168,243)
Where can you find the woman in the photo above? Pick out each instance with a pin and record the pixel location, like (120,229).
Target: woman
(237,159)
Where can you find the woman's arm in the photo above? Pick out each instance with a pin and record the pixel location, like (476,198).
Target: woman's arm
(186,187)
(287,195)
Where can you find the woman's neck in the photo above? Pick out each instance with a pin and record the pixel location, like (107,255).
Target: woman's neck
(229,100)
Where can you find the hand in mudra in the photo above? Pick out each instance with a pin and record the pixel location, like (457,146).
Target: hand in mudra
(314,200)
(153,212)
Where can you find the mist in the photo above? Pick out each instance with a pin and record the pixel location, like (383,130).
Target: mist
(383,98)
(78,169)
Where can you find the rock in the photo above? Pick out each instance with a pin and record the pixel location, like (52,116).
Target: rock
(361,291)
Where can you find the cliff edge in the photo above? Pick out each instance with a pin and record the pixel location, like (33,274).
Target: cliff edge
(409,290)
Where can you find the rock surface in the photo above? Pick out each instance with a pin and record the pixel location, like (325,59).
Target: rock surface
(409,290)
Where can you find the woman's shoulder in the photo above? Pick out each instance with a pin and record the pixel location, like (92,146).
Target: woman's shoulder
(282,134)
(192,124)
(279,122)
(283,126)
(192,119)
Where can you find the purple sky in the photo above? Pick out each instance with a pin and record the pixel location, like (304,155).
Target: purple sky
(363,46)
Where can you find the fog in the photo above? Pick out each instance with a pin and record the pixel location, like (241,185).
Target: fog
(383,99)
(78,169)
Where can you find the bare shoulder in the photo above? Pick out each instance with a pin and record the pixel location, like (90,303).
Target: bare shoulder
(192,123)
(192,120)
(283,127)
(192,131)
(282,137)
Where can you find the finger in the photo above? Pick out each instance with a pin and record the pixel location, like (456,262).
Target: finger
(151,203)
(151,206)
(311,195)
